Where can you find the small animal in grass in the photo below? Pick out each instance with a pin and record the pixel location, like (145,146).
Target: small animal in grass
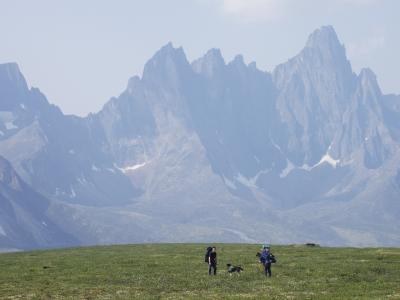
(234,269)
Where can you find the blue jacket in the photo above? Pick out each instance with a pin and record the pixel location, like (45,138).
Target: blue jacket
(265,256)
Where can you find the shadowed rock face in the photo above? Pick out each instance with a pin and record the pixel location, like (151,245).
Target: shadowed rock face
(60,156)
(307,152)
(23,222)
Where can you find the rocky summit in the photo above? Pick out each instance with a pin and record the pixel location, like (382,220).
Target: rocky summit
(208,151)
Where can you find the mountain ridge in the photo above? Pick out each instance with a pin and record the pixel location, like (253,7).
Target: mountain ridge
(300,153)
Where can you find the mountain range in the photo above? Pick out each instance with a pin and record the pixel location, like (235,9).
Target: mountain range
(206,151)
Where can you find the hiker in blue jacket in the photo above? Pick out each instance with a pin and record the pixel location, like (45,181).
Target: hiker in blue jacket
(265,259)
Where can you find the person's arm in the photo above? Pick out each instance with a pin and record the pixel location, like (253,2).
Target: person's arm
(209,259)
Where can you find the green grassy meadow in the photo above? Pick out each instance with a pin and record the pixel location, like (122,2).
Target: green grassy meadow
(177,271)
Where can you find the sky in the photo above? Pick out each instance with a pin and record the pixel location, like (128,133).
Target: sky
(82,53)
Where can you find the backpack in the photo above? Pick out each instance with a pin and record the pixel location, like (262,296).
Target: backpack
(207,255)
(272,258)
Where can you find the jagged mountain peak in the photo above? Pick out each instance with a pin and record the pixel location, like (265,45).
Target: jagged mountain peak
(169,52)
(13,86)
(166,60)
(368,76)
(11,78)
(368,83)
(323,49)
(323,60)
(215,55)
(238,59)
(238,62)
(210,64)
(11,71)
(325,35)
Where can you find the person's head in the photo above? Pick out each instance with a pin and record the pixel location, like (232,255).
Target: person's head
(214,249)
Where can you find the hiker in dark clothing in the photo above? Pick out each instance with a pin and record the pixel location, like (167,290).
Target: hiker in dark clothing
(265,259)
(212,261)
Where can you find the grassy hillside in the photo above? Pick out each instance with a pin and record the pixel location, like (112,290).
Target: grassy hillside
(170,271)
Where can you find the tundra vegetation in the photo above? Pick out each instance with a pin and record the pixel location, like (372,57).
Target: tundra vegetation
(178,271)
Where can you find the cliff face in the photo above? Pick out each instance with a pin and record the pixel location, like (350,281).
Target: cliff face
(23,222)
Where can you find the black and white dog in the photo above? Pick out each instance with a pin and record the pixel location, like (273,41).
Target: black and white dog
(234,269)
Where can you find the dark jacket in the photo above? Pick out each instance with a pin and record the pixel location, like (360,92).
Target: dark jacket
(213,258)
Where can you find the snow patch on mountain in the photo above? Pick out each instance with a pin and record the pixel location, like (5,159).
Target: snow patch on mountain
(324,159)
(276,145)
(289,168)
(306,167)
(133,167)
(249,182)
(229,183)
(73,194)
(262,172)
(59,192)
(328,159)
(252,181)
(10,126)
(82,180)
(8,119)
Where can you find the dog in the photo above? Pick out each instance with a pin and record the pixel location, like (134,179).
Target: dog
(234,269)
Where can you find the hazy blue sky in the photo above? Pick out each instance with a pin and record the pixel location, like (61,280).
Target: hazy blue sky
(82,52)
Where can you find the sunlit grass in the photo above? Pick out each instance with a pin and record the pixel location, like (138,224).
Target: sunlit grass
(177,271)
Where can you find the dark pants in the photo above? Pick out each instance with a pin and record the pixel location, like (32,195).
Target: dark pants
(212,266)
(267,268)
